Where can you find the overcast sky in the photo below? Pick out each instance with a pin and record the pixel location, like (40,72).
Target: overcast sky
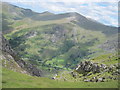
(105,12)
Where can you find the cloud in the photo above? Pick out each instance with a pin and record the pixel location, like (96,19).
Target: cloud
(104,12)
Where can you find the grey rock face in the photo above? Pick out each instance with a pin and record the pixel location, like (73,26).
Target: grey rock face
(88,66)
(31,34)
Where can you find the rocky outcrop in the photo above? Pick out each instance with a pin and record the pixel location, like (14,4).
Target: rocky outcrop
(8,62)
(110,45)
(31,34)
(88,66)
(29,68)
(96,72)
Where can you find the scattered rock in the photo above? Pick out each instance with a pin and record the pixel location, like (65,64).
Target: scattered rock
(86,80)
(87,68)
(100,80)
(89,74)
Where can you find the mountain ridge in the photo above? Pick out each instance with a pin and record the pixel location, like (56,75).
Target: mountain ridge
(69,14)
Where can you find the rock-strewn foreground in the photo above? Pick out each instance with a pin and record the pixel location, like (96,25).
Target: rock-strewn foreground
(89,71)
(88,68)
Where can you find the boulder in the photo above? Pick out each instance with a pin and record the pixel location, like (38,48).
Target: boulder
(88,66)
(87,80)
(100,80)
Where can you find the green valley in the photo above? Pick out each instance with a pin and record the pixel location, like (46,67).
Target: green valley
(50,50)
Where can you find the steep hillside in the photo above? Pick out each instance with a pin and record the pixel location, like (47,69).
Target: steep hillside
(10,60)
(56,42)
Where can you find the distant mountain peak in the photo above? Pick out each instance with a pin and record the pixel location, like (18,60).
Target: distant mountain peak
(47,13)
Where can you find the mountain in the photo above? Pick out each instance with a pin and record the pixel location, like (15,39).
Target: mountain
(81,21)
(62,50)
(54,42)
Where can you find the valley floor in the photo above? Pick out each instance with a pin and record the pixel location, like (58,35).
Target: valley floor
(13,79)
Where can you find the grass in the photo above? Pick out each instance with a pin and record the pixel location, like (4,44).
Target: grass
(108,59)
(17,80)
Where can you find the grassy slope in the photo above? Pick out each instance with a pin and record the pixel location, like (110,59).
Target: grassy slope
(108,59)
(17,80)
(41,40)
